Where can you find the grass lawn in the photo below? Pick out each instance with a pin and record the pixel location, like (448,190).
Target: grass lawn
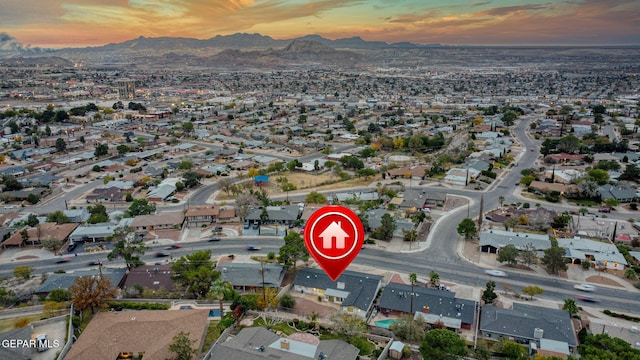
(15,323)
(286,329)
(213,333)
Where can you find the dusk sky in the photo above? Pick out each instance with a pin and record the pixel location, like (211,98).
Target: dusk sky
(72,23)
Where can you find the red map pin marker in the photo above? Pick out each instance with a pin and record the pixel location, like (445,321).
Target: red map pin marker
(334,236)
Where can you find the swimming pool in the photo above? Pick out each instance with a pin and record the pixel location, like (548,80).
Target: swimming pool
(385,324)
(214,312)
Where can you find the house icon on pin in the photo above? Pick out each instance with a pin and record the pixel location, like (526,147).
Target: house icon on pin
(334,230)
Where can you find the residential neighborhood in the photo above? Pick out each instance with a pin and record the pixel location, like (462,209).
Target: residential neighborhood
(145,209)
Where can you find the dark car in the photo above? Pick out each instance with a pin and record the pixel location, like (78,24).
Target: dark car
(94,263)
(215,238)
(218,229)
(256,226)
(161,254)
(174,246)
(71,247)
(246,225)
(63,260)
(252,248)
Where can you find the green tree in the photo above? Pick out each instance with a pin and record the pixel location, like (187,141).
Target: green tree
(219,290)
(287,302)
(598,175)
(489,294)
(33,198)
(532,290)
(386,228)
(123,149)
(128,247)
(467,228)
(182,347)
(195,273)
(59,295)
(630,273)
(187,127)
(58,217)
(32,220)
(602,346)
(52,244)
(101,150)
(11,183)
(570,306)
(442,344)
(348,325)
(509,254)
(554,259)
(405,327)
(185,165)
(512,350)
(98,214)
(22,271)
(434,278)
(315,197)
(61,145)
(293,250)
(141,207)
(191,179)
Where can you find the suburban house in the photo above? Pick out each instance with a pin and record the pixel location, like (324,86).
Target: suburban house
(354,291)
(64,281)
(374,219)
(252,276)
(109,334)
(258,343)
(602,255)
(550,329)
(620,193)
(78,215)
(420,199)
(204,216)
(162,221)
(152,277)
(431,304)
(46,231)
(106,194)
(492,241)
(92,233)
(286,215)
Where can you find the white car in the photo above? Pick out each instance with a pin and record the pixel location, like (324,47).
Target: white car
(585,287)
(494,272)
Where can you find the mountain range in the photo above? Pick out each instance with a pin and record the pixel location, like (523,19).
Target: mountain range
(9,44)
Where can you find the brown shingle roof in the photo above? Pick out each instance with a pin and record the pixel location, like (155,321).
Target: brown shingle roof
(43,232)
(148,331)
(165,218)
(205,211)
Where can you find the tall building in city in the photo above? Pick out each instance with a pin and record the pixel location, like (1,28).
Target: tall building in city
(127,89)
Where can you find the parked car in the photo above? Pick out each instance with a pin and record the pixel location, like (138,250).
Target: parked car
(218,229)
(246,226)
(495,272)
(442,287)
(585,287)
(604,210)
(215,238)
(256,226)
(174,246)
(42,342)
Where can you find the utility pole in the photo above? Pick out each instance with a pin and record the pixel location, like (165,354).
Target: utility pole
(480,213)
(264,293)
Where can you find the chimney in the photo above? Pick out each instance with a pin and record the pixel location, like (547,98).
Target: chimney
(284,344)
(425,309)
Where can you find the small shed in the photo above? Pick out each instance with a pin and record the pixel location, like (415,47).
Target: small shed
(395,350)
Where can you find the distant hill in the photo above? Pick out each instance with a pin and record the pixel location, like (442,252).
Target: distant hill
(10,46)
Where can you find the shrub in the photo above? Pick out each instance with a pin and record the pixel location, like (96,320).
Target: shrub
(138,306)
(287,301)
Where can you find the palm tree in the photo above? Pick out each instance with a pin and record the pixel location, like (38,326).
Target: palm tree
(434,277)
(219,289)
(501,200)
(413,278)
